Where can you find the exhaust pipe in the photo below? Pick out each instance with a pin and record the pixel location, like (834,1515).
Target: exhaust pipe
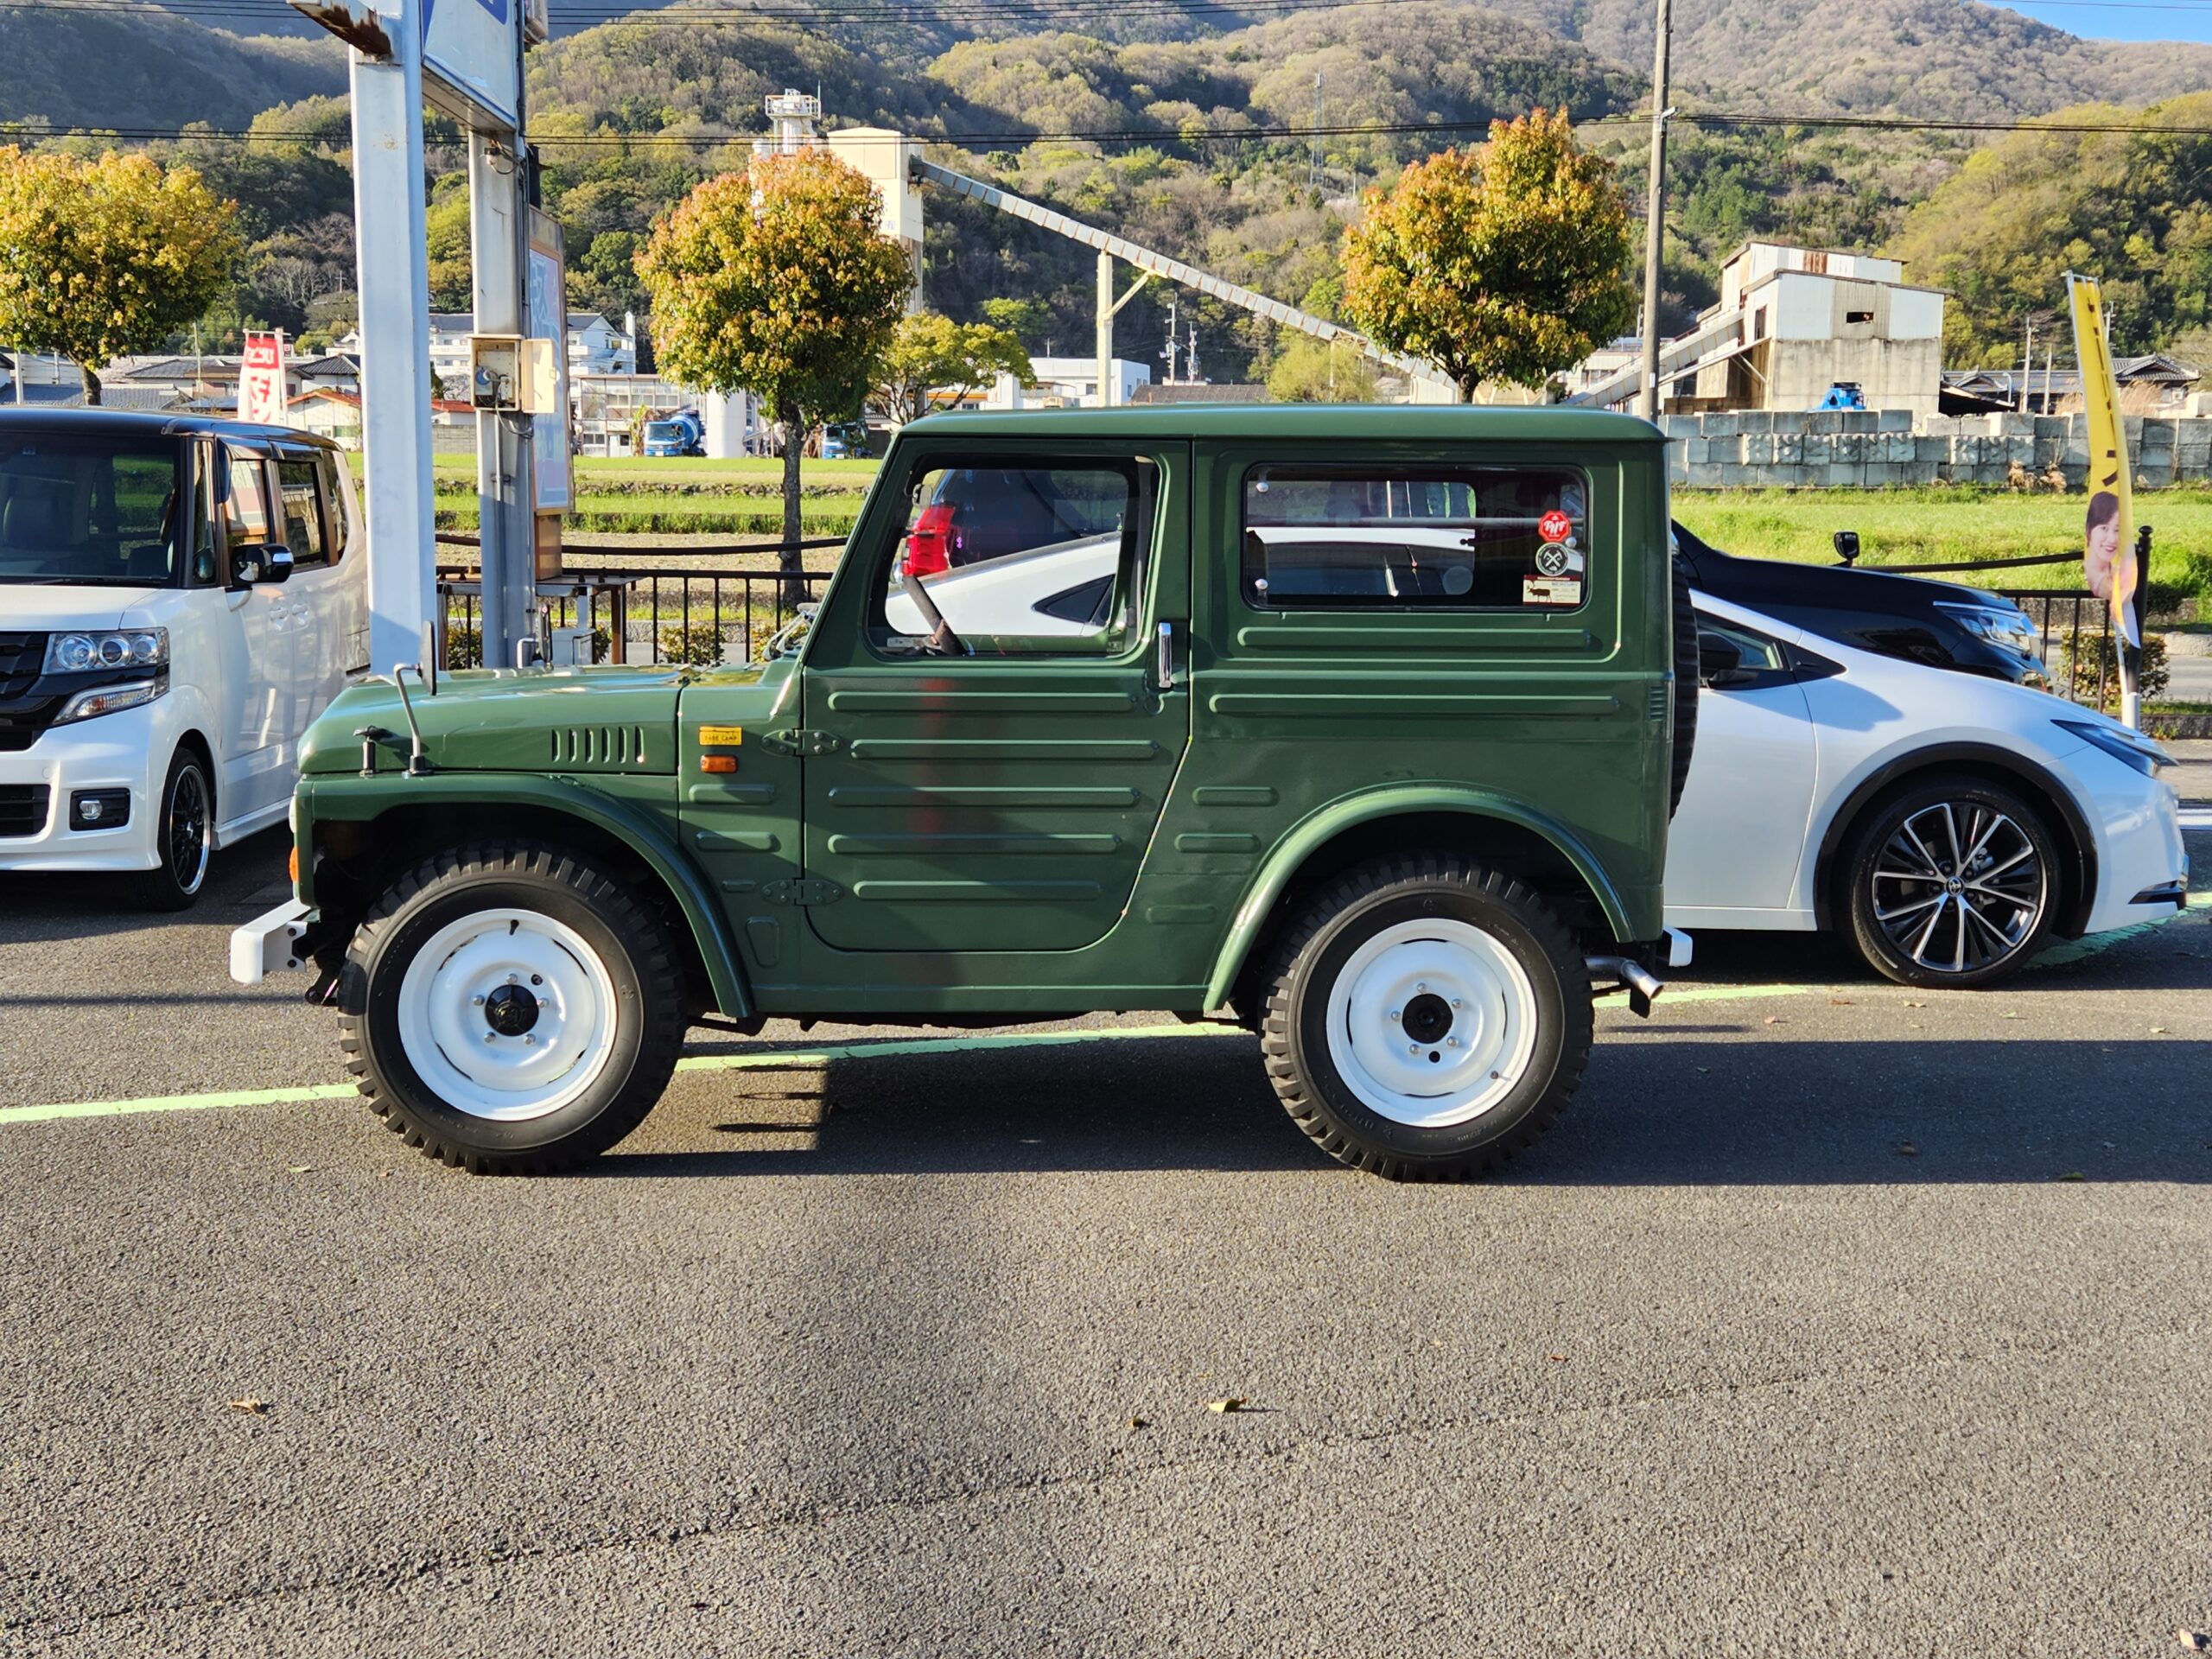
(1641,984)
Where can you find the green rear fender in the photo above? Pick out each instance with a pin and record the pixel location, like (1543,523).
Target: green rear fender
(370,798)
(1398,801)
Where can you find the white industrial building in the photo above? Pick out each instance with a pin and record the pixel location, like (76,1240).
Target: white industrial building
(1791,324)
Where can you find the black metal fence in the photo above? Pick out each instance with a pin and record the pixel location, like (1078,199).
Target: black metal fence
(2075,642)
(660,614)
(643,615)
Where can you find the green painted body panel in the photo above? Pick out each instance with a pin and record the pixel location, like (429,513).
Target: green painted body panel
(1031,835)
(636,810)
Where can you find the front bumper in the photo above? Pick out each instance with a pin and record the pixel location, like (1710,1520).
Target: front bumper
(2141,863)
(110,751)
(272,942)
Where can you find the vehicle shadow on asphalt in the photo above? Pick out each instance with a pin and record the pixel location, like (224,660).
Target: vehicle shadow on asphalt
(42,907)
(1659,1111)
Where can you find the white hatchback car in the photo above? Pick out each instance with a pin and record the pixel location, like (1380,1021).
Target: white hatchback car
(1947,822)
(179,598)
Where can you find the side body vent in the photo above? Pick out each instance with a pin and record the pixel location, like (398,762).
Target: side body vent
(599,748)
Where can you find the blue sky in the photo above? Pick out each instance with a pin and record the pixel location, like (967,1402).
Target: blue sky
(2173,20)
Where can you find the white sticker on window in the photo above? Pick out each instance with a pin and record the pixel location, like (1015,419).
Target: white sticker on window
(1551,590)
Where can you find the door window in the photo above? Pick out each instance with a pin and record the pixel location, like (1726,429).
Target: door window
(300,496)
(1418,537)
(1030,558)
(246,518)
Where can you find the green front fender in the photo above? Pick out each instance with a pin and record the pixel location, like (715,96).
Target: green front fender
(1396,801)
(367,799)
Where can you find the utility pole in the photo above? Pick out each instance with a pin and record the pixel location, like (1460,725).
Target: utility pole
(1313,162)
(1655,227)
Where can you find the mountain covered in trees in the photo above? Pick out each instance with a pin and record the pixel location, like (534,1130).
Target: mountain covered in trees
(1185,129)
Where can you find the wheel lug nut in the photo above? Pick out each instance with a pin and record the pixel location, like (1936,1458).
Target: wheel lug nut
(1451,1042)
(478,1000)
(1455,1002)
(1420,987)
(1393,1013)
(514,979)
(491,1036)
(528,1040)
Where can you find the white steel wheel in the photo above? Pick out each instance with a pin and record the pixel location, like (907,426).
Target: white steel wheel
(1432,1023)
(1425,1017)
(507,1015)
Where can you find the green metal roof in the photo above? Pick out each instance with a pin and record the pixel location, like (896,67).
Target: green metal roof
(1425,423)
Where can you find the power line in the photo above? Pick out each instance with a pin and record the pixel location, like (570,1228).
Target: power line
(1710,120)
(860,12)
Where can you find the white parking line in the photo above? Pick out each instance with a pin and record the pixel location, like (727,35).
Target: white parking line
(2196,817)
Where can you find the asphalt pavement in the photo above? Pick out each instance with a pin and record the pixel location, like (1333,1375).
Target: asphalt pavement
(1835,1318)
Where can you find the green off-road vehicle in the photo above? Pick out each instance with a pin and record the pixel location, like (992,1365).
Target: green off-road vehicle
(1360,728)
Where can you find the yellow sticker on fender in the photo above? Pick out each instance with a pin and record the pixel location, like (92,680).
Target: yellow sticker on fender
(721,737)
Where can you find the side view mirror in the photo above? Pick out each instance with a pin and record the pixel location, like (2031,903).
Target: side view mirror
(1847,545)
(260,562)
(1719,662)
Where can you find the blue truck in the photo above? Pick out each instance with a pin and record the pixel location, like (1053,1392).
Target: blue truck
(681,434)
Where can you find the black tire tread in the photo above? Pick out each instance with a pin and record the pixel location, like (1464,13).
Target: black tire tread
(1865,933)
(157,890)
(1370,880)
(1687,683)
(661,987)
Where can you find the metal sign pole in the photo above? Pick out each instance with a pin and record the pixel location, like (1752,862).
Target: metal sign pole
(497,210)
(395,289)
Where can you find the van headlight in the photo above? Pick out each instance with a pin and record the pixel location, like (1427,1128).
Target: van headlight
(2121,744)
(78,653)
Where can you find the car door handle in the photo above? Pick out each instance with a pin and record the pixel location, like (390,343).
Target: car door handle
(1167,655)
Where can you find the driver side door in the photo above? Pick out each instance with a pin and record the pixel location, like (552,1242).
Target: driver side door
(1001,797)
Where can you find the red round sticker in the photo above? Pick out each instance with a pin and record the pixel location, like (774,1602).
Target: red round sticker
(1554,525)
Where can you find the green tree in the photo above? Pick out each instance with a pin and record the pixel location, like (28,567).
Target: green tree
(778,282)
(1508,262)
(2128,207)
(1309,371)
(929,353)
(99,258)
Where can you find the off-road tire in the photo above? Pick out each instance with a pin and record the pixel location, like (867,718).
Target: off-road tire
(631,942)
(1331,927)
(1871,833)
(1687,683)
(164,888)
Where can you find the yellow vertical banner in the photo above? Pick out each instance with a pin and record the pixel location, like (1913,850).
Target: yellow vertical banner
(2108,546)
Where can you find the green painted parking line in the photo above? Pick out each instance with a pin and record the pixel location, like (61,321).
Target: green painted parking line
(1712,994)
(789,1058)
(2058,956)
(173,1102)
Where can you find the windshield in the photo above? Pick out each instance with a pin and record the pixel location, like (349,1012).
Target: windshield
(657,429)
(92,508)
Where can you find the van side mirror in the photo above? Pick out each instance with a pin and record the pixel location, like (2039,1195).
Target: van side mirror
(260,562)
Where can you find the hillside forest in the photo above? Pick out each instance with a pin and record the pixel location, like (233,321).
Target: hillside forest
(1192,132)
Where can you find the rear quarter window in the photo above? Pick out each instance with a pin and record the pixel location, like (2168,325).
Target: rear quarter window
(1415,537)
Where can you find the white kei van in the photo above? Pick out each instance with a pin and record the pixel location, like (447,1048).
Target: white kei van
(179,598)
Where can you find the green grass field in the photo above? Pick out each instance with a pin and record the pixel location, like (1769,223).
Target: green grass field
(1950,527)
(707,500)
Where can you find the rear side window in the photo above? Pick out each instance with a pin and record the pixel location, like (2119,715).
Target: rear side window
(1415,536)
(301,494)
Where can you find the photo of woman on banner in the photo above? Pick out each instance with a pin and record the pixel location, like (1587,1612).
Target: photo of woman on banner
(2102,548)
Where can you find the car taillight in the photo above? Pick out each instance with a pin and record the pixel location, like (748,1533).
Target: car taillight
(929,544)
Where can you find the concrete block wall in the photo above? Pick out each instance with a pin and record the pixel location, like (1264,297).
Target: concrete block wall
(1853,448)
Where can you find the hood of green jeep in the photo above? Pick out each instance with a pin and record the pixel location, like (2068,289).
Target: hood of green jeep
(568,720)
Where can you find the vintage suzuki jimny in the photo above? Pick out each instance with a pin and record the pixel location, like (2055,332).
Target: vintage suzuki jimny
(1361,728)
